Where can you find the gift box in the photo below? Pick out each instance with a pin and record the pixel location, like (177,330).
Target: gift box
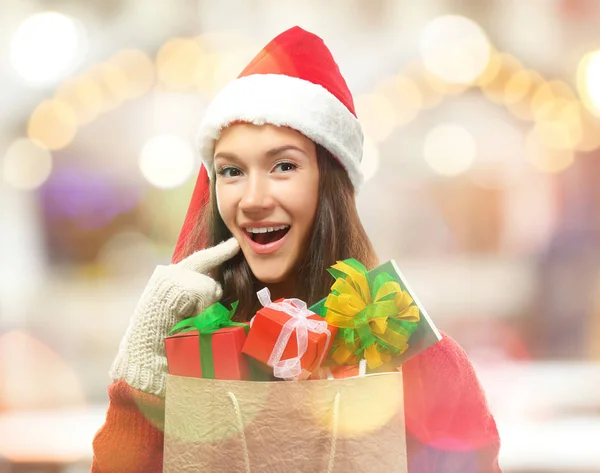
(289,338)
(208,345)
(337,372)
(380,318)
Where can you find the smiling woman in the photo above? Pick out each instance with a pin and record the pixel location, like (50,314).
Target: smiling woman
(281,147)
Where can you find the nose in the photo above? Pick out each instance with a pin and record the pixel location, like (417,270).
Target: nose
(257,196)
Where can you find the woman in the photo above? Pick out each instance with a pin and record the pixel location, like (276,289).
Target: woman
(281,147)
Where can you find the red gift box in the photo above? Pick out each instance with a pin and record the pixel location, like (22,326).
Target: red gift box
(266,328)
(336,372)
(183,354)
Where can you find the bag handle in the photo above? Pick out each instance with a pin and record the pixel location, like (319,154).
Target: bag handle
(238,414)
(334,431)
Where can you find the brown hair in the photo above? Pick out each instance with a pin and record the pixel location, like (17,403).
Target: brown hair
(337,233)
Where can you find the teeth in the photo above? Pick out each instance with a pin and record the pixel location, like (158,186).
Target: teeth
(266,229)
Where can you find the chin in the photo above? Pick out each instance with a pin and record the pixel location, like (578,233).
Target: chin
(266,274)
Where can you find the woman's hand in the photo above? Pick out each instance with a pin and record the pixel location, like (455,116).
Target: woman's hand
(173,293)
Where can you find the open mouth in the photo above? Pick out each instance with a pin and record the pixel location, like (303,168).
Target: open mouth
(266,235)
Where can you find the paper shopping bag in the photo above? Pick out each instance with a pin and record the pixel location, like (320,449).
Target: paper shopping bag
(340,425)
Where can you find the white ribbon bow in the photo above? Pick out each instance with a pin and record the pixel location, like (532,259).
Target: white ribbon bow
(291,369)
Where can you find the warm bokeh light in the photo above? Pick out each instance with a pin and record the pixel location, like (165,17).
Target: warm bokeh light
(84,96)
(166,161)
(518,86)
(492,68)
(138,69)
(546,159)
(370,160)
(46,47)
(53,124)
(113,81)
(547,94)
(454,48)
(560,125)
(519,92)
(404,96)
(588,81)
(590,129)
(376,114)
(26,165)
(449,149)
(177,62)
(227,67)
(494,88)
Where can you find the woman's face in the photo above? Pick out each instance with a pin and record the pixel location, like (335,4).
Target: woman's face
(267,187)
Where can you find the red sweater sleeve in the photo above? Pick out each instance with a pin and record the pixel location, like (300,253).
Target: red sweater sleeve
(449,426)
(131,439)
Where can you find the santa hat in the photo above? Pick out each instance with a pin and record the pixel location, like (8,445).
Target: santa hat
(293,82)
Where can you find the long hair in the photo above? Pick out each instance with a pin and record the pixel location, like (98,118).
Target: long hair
(337,233)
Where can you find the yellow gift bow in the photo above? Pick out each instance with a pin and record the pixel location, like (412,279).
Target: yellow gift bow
(375,317)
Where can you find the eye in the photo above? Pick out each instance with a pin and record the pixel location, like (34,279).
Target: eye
(229,171)
(285,166)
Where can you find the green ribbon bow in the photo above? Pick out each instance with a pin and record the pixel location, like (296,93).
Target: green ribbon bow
(375,316)
(207,322)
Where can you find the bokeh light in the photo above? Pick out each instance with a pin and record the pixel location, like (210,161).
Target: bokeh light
(560,125)
(518,86)
(449,149)
(113,81)
(166,161)
(588,81)
(53,124)
(544,158)
(404,96)
(26,165)
(492,68)
(84,96)
(45,47)
(494,87)
(376,114)
(177,62)
(454,48)
(138,69)
(590,128)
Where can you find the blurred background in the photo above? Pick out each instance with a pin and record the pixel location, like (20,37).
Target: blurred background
(482,155)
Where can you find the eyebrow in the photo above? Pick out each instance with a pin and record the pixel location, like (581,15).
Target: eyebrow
(271,153)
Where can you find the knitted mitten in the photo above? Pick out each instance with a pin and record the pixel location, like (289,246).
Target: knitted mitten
(173,293)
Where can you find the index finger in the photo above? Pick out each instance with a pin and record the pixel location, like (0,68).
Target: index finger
(205,260)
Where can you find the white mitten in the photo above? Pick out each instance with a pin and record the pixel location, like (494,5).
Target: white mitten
(173,293)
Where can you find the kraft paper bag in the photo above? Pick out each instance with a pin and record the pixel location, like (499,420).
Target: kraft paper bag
(341,425)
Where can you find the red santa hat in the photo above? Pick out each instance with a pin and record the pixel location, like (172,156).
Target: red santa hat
(293,82)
